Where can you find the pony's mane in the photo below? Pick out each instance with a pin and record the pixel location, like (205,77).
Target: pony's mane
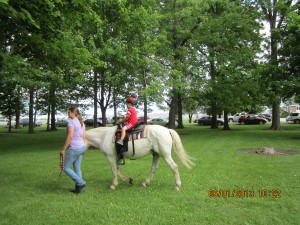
(102,129)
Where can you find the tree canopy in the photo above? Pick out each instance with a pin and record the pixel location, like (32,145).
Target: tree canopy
(189,54)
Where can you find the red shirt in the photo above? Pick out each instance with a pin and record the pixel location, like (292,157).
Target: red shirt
(132,116)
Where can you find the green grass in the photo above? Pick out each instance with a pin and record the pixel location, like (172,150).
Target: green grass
(33,193)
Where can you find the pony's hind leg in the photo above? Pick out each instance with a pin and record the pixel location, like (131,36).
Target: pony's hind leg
(174,169)
(125,178)
(155,164)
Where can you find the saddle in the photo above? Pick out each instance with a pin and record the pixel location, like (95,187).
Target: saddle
(135,133)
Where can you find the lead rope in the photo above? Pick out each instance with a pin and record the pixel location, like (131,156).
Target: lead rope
(62,163)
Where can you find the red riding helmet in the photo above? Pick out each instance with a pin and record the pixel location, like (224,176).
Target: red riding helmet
(131,100)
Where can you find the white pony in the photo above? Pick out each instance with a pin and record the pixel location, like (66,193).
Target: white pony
(157,141)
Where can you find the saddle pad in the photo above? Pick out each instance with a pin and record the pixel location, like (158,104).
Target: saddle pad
(137,135)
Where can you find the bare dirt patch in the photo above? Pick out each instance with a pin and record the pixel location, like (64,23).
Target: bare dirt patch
(269,151)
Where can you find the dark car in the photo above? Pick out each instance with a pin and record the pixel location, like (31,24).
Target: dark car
(90,122)
(207,120)
(142,118)
(252,119)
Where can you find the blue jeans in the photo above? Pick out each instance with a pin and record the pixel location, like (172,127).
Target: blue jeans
(74,156)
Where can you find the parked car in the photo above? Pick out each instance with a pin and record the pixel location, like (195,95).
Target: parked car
(235,117)
(38,123)
(3,121)
(62,123)
(90,122)
(207,120)
(293,117)
(160,121)
(13,122)
(25,122)
(266,116)
(142,119)
(251,119)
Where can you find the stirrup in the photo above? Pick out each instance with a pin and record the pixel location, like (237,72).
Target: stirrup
(121,161)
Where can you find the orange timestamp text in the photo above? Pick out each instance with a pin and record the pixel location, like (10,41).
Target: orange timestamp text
(242,193)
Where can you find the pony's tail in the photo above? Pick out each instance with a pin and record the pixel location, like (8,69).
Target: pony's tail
(180,151)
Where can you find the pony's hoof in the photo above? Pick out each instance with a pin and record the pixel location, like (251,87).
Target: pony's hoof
(112,187)
(176,188)
(130,181)
(143,185)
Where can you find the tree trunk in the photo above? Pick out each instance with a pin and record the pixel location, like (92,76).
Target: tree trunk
(213,74)
(190,117)
(9,113)
(276,116)
(214,123)
(272,19)
(31,97)
(17,125)
(103,113)
(35,112)
(145,100)
(95,89)
(48,117)
(52,108)
(115,109)
(9,124)
(173,109)
(180,122)
(18,113)
(106,92)
(226,122)
(145,111)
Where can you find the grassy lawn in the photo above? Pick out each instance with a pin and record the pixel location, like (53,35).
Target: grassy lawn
(245,188)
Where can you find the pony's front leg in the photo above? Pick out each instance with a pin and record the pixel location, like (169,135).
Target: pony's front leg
(113,165)
(155,164)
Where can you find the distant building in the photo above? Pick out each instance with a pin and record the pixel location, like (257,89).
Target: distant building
(293,108)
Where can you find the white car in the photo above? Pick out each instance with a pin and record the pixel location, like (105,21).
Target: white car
(293,117)
(3,121)
(159,121)
(235,117)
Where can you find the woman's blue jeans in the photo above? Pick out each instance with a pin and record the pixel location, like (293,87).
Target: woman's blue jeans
(74,156)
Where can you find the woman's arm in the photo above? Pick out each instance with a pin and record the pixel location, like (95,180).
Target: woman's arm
(84,136)
(69,138)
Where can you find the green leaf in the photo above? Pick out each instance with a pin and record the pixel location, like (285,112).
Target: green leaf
(27,15)
(4,1)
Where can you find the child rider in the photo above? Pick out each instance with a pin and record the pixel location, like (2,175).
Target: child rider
(131,118)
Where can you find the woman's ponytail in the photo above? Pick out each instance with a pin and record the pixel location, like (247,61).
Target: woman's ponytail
(77,114)
(80,118)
